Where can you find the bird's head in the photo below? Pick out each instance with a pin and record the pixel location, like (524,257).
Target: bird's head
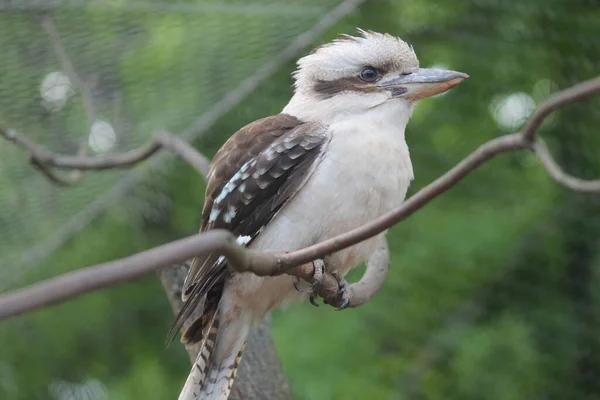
(352,75)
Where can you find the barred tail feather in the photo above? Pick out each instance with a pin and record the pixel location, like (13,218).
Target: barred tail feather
(214,370)
(220,377)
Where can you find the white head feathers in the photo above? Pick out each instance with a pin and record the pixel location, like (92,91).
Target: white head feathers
(346,56)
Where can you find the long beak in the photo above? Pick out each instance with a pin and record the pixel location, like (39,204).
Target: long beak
(424,82)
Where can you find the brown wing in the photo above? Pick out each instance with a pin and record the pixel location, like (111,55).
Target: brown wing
(252,177)
(245,144)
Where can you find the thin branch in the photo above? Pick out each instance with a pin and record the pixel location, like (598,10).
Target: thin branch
(183,150)
(378,265)
(45,159)
(560,176)
(267,263)
(575,93)
(53,176)
(72,284)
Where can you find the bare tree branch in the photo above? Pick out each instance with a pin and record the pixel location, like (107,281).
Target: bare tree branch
(560,99)
(377,267)
(271,263)
(53,176)
(560,176)
(44,159)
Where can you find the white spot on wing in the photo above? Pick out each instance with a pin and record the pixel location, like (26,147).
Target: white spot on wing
(230,214)
(214,214)
(232,183)
(242,240)
(242,187)
(228,188)
(288,143)
(270,154)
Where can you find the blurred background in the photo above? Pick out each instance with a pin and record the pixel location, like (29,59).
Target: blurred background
(493,292)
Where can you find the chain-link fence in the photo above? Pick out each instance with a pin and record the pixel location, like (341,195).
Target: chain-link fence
(492,293)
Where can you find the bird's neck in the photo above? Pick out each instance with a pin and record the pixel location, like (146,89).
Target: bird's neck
(391,116)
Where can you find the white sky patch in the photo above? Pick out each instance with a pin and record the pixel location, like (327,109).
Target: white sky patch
(511,111)
(102,137)
(56,88)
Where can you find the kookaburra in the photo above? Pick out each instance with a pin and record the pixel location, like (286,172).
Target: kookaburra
(335,158)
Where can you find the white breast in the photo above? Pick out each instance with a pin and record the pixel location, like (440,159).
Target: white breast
(365,172)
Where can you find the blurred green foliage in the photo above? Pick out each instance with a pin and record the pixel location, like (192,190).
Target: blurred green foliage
(493,292)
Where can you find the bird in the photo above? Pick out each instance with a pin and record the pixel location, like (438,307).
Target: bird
(332,160)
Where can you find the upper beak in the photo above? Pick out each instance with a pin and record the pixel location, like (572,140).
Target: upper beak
(424,82)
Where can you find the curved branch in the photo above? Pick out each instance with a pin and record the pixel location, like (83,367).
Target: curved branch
(560,176)
(575,93)
(378,265)
(44,159)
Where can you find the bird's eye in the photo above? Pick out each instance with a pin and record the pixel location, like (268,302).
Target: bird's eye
(369,74)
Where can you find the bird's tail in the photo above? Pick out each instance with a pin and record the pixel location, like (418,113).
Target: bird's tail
(213,372)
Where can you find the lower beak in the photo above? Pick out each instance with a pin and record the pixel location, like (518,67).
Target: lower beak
(424,82)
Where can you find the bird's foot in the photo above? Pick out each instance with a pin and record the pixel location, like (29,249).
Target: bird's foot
(342,292)
(317,279)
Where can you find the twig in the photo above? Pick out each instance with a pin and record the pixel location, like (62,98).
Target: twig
(84,280)
(52,176)
(570,95)
(560,176)
(44,159)
(267,263)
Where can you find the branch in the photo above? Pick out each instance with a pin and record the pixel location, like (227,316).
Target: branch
(560,176)
(275,263)
(44,159)
(560,99)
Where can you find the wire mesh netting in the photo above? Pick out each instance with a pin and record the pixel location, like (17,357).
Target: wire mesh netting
(493,290)
(97,76)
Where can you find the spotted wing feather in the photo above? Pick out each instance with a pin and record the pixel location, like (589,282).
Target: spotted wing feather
(252,177)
